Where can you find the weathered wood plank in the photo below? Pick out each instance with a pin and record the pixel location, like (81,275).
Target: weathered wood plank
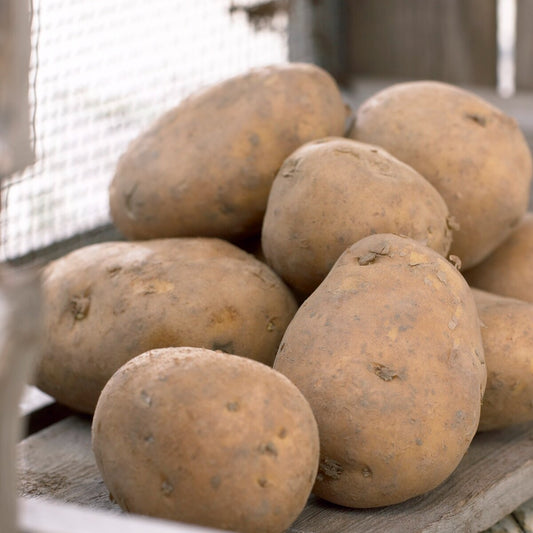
(495,477)
(452,40)
(524,44)
(20,328)
(15,147)
(40,516)
(524,516)
(58,463)
(506,525)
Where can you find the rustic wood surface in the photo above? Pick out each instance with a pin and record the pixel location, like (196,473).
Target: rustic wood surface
(20,328)
(15,147)
(524,44)
(495,477)
(45,516)
(452,40)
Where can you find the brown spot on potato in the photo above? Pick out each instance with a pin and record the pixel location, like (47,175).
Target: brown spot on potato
(128,201)
(383,372)
(215,482)
(268,448)
(262,482)
(367,259)
(146,398)
(477,118)
(330,468)
(232,406)
(112,270)
(367,471)
(282,433)
(167,488)
(79,306)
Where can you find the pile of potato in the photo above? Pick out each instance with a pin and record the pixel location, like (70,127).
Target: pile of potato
(351,355)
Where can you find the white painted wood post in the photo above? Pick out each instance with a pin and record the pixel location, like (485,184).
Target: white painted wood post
(20,333)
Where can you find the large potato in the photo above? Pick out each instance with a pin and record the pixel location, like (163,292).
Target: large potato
(507,334)
(333,192)
(388,352)
(205,167)
(106,303)
(208,438)
(508,270)
(474,155)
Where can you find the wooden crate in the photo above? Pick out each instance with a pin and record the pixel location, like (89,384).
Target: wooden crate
(494,479)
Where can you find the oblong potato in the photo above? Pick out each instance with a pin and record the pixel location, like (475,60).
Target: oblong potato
(474,154)
(205,167)
(388,352)
(106,303)
(209,438)
(508,271)
(332,192)
(507,334)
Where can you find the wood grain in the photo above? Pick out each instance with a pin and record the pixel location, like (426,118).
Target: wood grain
(15,147)
(20,328)
(451,40)
(524,45)
(494,478)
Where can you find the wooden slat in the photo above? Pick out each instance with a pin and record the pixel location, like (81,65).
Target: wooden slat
(494,478)
(40,516)
(524,45)
(15,147)
(506,525)
(58,463)
(452,40)
(318,33)
(20,328)
(524,516)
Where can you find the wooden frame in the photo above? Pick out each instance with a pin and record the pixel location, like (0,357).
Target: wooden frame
(16,151)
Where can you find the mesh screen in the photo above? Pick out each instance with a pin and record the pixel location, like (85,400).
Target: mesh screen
(100,73)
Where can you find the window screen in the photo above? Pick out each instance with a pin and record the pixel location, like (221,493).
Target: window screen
(100,73)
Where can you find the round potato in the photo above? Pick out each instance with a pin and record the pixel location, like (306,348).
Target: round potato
(333,192)
(388,352)
(474,155)
(508,271)
(106,303)
(205,168)
(507,334)
(209,438)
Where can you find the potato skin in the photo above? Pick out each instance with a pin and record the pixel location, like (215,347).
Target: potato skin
(508,271)
(205,168)
(474,155)
(209,438)
(106,303)
(388,352)
(333,192)
(507,332)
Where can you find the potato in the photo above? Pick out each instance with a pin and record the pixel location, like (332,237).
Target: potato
(205,168)
(106,303)
(507,334)
(333,192)
(474,155)
(209,438)
(508,271)
(388,352)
